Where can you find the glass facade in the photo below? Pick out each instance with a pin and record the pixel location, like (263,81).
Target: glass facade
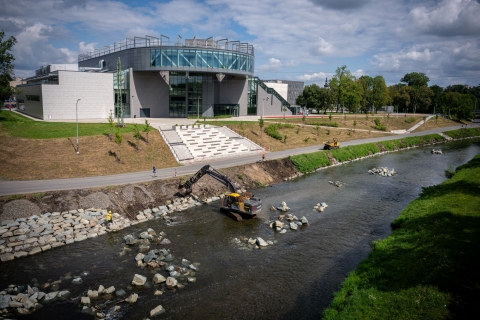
(252,97)
(197,58)
(186,90)
(121,87)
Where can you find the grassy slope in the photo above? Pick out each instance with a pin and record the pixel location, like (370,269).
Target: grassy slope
(428,268)
(22,127)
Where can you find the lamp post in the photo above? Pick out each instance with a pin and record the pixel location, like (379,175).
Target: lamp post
(131,110)
(76,116)
(198,107)
(263,108)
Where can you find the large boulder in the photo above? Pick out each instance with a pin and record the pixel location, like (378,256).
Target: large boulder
(261,242)
(139,280)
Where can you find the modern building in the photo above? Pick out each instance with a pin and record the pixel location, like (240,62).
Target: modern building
(289,90)
(155,77)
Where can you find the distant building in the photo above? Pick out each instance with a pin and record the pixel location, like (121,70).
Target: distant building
(160,79)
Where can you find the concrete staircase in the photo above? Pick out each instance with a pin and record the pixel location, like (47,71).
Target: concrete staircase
(191,143)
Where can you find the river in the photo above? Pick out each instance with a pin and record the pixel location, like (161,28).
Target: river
(293,279)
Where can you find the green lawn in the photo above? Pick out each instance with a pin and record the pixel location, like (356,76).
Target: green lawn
(429,267)
(19,126)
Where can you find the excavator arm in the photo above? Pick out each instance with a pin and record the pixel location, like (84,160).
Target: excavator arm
(211,172)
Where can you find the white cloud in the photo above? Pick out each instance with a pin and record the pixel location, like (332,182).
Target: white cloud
(272,65)
(322,48)
(449,18)
(314,77)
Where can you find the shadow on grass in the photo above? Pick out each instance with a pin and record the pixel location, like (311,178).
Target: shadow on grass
(73,145)
(113,154)
(133,145)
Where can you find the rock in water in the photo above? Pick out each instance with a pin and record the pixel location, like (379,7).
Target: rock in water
(171,282)
(132,298)
(293,226)
(261,242)
(139,280)
(155,312)
(158,278)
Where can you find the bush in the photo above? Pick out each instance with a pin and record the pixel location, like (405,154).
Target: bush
(271,130)
(324,124)
(409,119)
(463,133)
(379,126)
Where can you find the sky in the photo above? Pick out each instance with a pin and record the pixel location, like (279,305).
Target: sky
(302,40)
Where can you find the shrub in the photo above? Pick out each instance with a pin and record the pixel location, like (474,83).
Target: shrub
(379,125)
(409,119)
(271,130)
(324,124)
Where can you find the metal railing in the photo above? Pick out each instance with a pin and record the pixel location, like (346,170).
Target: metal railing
(149,41)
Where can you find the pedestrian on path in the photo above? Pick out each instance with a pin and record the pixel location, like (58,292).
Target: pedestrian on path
(154,171)
(263,156)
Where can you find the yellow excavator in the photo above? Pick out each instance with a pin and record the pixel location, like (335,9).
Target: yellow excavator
(331,144)
(236,205)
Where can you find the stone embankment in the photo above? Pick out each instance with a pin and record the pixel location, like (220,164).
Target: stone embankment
(38,233)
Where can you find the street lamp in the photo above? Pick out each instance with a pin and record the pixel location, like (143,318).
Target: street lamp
(263,108)
(131,110)
(76,115)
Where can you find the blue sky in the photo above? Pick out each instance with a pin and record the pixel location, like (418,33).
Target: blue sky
(302,40)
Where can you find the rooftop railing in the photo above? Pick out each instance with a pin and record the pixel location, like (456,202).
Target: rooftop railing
(149,41)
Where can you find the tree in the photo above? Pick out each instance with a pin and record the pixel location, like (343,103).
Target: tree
(366,83)
(461,105)
(118,141)
(437,97)
(415,79)
(111,124)
(6,66)
(354,125)
(303,121)
(261,123)
(339,84)
(380,96)
(119,83)
(137,135)
(147,128)
(284,109)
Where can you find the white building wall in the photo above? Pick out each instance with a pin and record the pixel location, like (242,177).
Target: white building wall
(95,91)
(281,88)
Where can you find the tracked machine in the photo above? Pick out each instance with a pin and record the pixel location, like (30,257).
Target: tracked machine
(237,205)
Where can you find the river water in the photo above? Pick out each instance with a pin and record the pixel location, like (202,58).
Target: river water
(293,279)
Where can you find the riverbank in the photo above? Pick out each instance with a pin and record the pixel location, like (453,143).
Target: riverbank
(428,267)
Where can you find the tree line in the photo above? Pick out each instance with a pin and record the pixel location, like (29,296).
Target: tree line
(345,92)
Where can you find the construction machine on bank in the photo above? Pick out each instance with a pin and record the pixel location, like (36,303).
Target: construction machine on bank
(236,205)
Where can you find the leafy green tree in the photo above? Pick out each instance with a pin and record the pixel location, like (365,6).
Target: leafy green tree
(118,141)
(380,96)
(111,125)
(261,123)
(284,109)
(415,79)
(339,85)
(352,96)
(437,98)
(366,83)
(6,66)
(354,125)
(147,128)
(461,105)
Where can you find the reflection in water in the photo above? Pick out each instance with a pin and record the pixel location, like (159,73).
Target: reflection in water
(293,279)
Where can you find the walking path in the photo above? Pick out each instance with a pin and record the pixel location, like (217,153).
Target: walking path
(36,186)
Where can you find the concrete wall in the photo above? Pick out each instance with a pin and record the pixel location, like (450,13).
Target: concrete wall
(150,91)
(232,90)
(281,88)
(270,107)
(59,101)
(32,108)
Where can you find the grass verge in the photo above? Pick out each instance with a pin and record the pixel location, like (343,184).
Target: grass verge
(315,160)
(428,268)
(19,126)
